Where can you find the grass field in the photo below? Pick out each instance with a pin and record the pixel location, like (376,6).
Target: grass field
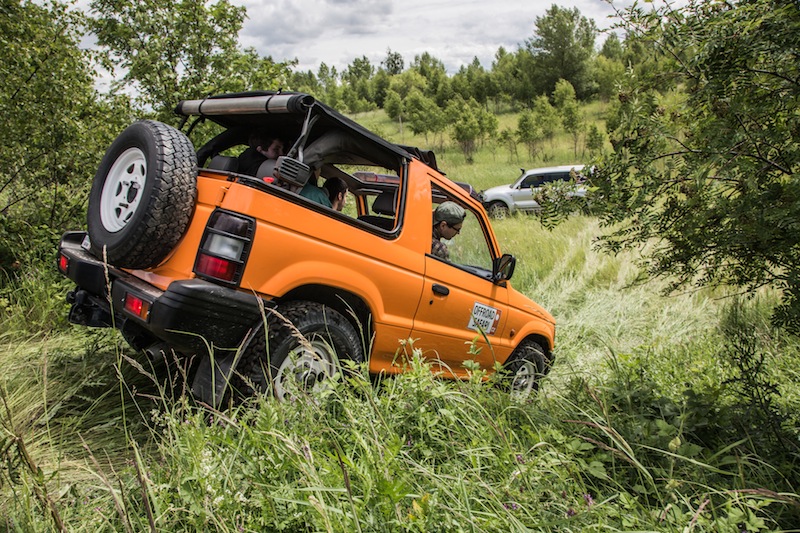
(662,413)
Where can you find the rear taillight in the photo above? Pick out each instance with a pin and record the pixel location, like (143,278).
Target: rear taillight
(224,248)
(215,267)
(137,306)
(63,263)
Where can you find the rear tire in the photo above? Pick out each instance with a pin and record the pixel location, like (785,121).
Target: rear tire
(142,196)
(307,340)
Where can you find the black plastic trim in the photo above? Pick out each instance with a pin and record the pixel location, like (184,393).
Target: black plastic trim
(190,315)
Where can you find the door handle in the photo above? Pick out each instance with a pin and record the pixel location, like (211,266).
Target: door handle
(441,290)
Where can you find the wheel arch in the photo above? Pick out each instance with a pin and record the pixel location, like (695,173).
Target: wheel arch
(350,305)
(501,200)
(542,341)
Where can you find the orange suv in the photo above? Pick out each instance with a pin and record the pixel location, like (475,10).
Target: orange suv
(271,291)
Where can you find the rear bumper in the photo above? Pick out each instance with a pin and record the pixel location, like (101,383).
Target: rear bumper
(191,315)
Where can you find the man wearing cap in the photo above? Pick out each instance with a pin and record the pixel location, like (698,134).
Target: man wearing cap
(447,221)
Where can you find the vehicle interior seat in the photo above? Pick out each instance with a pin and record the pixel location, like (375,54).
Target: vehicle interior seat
(384,211)
(224,162)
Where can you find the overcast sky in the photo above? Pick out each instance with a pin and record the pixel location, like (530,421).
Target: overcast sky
(454,31)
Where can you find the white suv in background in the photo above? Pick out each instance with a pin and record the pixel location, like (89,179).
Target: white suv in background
(504,199)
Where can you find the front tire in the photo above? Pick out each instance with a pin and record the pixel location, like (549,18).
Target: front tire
(525,369)
(498,210)
(142,196)
(307,340)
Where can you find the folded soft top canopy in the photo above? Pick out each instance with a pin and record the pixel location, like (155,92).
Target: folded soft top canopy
(246,104)
(286,112)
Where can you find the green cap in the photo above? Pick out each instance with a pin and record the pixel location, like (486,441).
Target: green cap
(450,212)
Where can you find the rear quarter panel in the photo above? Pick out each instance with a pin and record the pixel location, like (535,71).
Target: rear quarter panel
(298,244)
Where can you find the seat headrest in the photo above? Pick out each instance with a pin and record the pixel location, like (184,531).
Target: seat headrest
(384,203)
(266,168)
(224,162)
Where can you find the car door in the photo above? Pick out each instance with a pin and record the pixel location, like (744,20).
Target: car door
(522,195)
(460,305)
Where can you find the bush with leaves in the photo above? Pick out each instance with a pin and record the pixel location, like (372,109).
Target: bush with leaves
(709,174)
(55,129)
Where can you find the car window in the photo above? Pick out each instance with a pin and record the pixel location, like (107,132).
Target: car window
(537,180)
(470,249)
(556,176)
(534,180)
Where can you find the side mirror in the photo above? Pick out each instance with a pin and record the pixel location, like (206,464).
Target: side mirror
(503,267)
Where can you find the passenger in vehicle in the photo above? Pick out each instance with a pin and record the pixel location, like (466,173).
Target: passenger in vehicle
(448,218)
(314,192)
(337,192)
(261,147)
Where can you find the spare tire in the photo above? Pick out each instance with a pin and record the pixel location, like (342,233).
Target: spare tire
(142,196)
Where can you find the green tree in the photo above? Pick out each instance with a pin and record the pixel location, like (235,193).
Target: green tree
(529,132)
(395,107)
(305,81)
(55,127)
(606,74)
(436,82)
(612,48)
(357,76)
(407,81)
(489,123)
(571,115)
(182,49)
(546,117)
(710,176)
(424,116)
(329,80)
(562,47)
(563,94)
(504,76)
(472,81)
(380,84)
(508,138)
(518,77)
(465,122)
(595,140)
(393,63)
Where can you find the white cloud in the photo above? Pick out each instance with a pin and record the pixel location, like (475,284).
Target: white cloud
(338,31)
(453,31)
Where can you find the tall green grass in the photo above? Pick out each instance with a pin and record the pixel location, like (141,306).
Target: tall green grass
(644,424)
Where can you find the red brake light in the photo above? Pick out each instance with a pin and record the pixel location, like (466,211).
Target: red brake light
(216,267)
(137,306)
(63,263)
(224,247)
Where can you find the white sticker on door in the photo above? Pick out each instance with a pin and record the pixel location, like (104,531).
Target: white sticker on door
(484,318)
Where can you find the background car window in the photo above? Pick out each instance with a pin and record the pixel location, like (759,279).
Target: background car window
(534,180)
(558,176)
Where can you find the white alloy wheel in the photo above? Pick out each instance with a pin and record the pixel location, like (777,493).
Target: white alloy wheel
(524,380)
(123,189)
(306,368)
